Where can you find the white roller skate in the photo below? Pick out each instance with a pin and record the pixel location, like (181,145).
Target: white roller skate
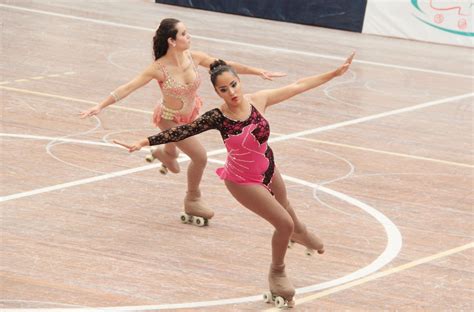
(168,161)
(307,239)
(194,210)
(281,291)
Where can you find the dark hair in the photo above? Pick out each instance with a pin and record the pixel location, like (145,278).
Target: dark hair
(166,30)
(218,67)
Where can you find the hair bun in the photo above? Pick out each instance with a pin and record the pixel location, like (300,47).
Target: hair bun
(216,64)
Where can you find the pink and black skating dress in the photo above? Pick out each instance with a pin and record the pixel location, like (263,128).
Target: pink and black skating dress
(249,158)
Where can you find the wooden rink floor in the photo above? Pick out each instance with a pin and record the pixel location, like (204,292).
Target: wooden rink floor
(379,163)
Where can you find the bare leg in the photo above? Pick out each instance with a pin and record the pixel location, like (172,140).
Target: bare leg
(193,204)
(259,200)
(279,189)
(194,149)
(300,235)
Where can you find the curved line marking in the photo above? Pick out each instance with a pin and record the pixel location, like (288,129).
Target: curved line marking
(393,247)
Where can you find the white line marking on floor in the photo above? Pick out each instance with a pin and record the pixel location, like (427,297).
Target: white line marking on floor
(251,45)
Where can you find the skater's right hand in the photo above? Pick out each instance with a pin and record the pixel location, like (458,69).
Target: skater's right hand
(90,112)
(134,147)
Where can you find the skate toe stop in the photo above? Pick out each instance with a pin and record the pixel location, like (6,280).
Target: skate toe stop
(291,303)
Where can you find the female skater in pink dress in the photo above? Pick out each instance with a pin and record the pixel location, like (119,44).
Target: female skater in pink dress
(249,172)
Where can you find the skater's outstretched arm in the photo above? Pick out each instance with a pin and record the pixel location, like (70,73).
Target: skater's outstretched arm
(208,121)
(274,96)
(205,60)
(124,90)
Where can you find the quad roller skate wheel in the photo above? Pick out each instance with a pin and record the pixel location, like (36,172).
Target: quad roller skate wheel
(267,297)
(163,170)
(308,252)
(149,158)
(189,219)
(185,218)
(279,301)
(199,221)
(291,244)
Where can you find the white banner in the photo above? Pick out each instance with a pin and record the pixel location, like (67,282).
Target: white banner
(440,21)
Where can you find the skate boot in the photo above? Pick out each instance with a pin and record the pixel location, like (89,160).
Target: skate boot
(281,290)
(307,239)
(195,212)
(168,161)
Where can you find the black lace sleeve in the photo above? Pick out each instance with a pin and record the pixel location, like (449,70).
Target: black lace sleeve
(209,120)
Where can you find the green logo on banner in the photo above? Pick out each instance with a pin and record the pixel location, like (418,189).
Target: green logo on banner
(454,17)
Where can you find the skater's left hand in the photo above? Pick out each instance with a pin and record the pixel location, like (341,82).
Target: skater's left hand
(134,147)
(270,75)
(344,67)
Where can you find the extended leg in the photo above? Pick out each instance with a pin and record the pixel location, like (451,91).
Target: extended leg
(257,199)
(301,235)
